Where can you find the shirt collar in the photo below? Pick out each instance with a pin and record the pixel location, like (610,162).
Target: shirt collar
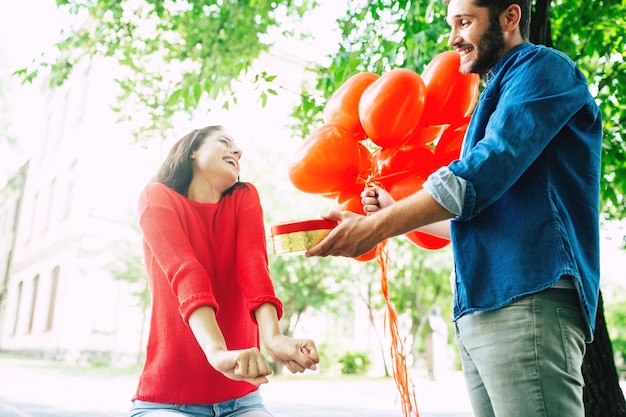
(494,70)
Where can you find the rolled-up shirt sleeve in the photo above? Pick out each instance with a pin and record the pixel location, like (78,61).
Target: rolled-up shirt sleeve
(447,189)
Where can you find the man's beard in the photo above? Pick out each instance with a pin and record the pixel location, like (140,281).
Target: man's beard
(490,48)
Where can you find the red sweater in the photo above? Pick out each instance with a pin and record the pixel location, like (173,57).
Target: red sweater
(200,254)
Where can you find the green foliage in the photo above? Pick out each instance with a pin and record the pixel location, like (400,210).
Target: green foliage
(380,35)
(420,278)
(309,284)
(377,36)
(179,55)
(7,140)
(128,266)
(418,281)
(593,34)
(176,54)
(354,363)
(307,115)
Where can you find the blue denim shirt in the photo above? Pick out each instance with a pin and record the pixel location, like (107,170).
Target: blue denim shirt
(530,174)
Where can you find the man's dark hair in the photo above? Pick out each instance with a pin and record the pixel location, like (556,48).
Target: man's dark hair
(496,7)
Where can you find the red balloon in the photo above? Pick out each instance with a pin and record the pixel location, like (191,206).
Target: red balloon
(407,186)
(440,78)
(391,107)
(368,256)
(462,100)
(365,163)
(403,189)
(356,186)
(449,146)
(342,107)
(426,241)
(352,203)
(470,86)
(395,164)
(348,193)
(450,94)
(328,161)
(424,135)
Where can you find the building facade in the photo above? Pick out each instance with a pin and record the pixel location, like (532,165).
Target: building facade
(10,203)
(63,226)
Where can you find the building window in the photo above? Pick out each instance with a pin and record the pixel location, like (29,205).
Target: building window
(4,215)
(69,194)
(31,320)
(53,298)
(20,286)
(51,198)
(30,226)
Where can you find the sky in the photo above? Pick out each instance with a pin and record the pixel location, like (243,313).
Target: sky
(30,27)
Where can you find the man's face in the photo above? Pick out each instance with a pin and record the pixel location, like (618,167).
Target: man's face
(478,40)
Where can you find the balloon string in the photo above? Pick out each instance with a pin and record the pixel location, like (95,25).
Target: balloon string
(406,389)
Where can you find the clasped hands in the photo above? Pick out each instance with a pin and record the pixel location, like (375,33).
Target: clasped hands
(250,364)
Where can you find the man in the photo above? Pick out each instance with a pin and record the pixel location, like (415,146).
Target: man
(521,209)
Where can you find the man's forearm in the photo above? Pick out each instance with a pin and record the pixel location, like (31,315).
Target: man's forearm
(413,212)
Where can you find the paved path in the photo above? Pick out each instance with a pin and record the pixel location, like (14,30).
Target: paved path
(36,389)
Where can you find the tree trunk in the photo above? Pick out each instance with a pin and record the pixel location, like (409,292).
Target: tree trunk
(602,394)
(540,32)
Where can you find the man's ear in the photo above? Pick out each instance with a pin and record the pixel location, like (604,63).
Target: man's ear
(510,18)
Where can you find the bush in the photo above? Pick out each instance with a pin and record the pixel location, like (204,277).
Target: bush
(354,363)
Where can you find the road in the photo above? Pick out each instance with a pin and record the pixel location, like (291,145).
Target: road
(37,389)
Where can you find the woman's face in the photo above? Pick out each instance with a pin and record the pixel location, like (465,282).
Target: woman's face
(216,161)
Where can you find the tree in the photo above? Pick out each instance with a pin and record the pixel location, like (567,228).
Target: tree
(420,282)
(176,54)
(128,267)
(308,284)
(367,289)
(180,54)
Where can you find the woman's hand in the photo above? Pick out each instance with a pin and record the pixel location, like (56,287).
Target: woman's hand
(297,355)
(241,365)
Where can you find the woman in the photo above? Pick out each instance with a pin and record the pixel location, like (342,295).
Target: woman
(206,260)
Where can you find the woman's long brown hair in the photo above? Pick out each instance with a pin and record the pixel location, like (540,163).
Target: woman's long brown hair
(176,171)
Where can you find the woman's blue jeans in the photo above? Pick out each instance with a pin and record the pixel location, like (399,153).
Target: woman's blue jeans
(525,359)
(250,405)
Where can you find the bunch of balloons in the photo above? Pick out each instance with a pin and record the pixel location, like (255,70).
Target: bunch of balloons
(391,131)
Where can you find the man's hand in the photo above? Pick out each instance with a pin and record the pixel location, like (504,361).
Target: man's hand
(352,237)
(375,199)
